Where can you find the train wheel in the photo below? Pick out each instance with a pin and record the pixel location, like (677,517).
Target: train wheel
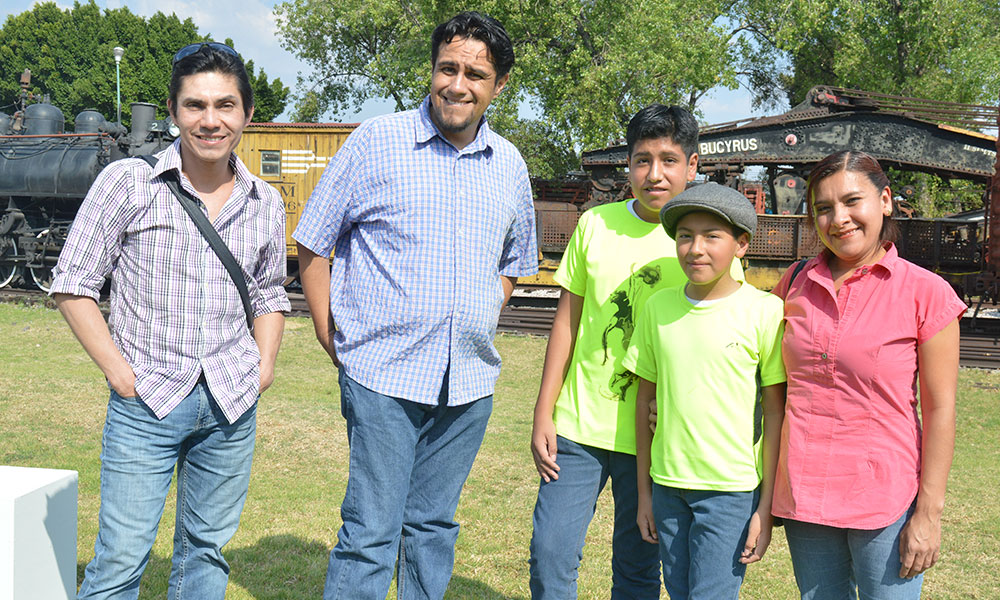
(8,250)
(42,275)
(43,278)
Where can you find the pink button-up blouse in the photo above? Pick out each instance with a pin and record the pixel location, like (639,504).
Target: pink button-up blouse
(850,443)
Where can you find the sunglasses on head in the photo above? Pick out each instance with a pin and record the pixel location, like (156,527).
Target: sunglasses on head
(190,49)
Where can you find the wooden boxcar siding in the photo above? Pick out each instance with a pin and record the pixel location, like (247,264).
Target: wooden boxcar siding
(305,150)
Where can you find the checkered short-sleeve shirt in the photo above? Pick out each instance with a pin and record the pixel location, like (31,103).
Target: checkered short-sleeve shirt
(421,233)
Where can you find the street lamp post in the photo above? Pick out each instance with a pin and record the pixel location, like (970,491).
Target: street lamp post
(118,51)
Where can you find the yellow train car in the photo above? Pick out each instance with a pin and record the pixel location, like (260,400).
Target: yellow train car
(291,157)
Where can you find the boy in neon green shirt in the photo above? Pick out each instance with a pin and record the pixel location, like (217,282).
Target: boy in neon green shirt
(584,422)
(706,477)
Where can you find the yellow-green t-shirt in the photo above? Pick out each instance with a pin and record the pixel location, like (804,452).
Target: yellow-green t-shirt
(615,261)
(704,361)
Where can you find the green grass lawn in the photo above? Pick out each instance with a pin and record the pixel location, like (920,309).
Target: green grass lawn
(52,405)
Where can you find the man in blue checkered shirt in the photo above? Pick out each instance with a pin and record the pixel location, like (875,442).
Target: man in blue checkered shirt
(429,217)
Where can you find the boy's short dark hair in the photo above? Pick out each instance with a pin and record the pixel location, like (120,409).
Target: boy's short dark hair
(208,59)
(658,120)
(475,25)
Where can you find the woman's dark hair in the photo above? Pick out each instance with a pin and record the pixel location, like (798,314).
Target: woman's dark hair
(658,121)
(476,25)
(212,60)
(856,162)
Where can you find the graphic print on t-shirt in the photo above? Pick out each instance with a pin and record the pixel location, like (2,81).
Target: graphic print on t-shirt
(624,298)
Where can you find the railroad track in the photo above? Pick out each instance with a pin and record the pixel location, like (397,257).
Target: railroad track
(980,350)
(534,321)
(980,347)
(18,296)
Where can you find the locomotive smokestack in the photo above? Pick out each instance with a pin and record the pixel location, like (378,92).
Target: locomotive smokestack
(143,115)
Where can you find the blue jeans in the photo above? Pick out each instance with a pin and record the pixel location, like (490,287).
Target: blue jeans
(138,456)
(563,511)
(702,534)
(408,464)
(832,563)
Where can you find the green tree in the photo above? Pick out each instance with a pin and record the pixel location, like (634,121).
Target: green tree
(270,97)
(584,68)
(589,66)
(942,49)
(307,108)
(69,55)
(357,49)
(547,154)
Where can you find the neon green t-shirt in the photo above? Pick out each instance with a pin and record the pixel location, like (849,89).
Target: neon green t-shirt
(615,261)
(704,361)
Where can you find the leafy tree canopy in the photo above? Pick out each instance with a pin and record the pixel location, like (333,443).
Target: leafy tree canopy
(945,50)
(69,55)
(584,67)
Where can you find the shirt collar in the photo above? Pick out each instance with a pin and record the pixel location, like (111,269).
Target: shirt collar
(245,181)
(888,262)
(170,159)
(426,130)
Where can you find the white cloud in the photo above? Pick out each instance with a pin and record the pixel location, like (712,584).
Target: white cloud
(14,7)
(204,14)
(60,5)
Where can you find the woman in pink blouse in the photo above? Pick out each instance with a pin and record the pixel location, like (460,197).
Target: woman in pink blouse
(860,484)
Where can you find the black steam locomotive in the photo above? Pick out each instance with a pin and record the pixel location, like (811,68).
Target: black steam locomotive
(45,173)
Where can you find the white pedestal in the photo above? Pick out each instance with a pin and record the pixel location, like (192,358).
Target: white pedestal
(37,533)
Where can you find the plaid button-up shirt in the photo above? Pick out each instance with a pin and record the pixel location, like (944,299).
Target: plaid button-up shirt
(421,233)
(175,312)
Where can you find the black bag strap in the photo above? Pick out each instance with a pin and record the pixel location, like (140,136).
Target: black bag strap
(190,206)
(798,269)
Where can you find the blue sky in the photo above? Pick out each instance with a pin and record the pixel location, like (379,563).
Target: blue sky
(250,24)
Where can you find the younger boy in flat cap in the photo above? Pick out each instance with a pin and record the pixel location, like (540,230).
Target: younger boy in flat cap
(709,352)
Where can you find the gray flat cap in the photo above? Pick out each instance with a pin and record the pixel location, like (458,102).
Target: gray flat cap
(730,205)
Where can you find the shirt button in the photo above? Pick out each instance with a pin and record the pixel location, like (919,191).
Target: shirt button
(823,356)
